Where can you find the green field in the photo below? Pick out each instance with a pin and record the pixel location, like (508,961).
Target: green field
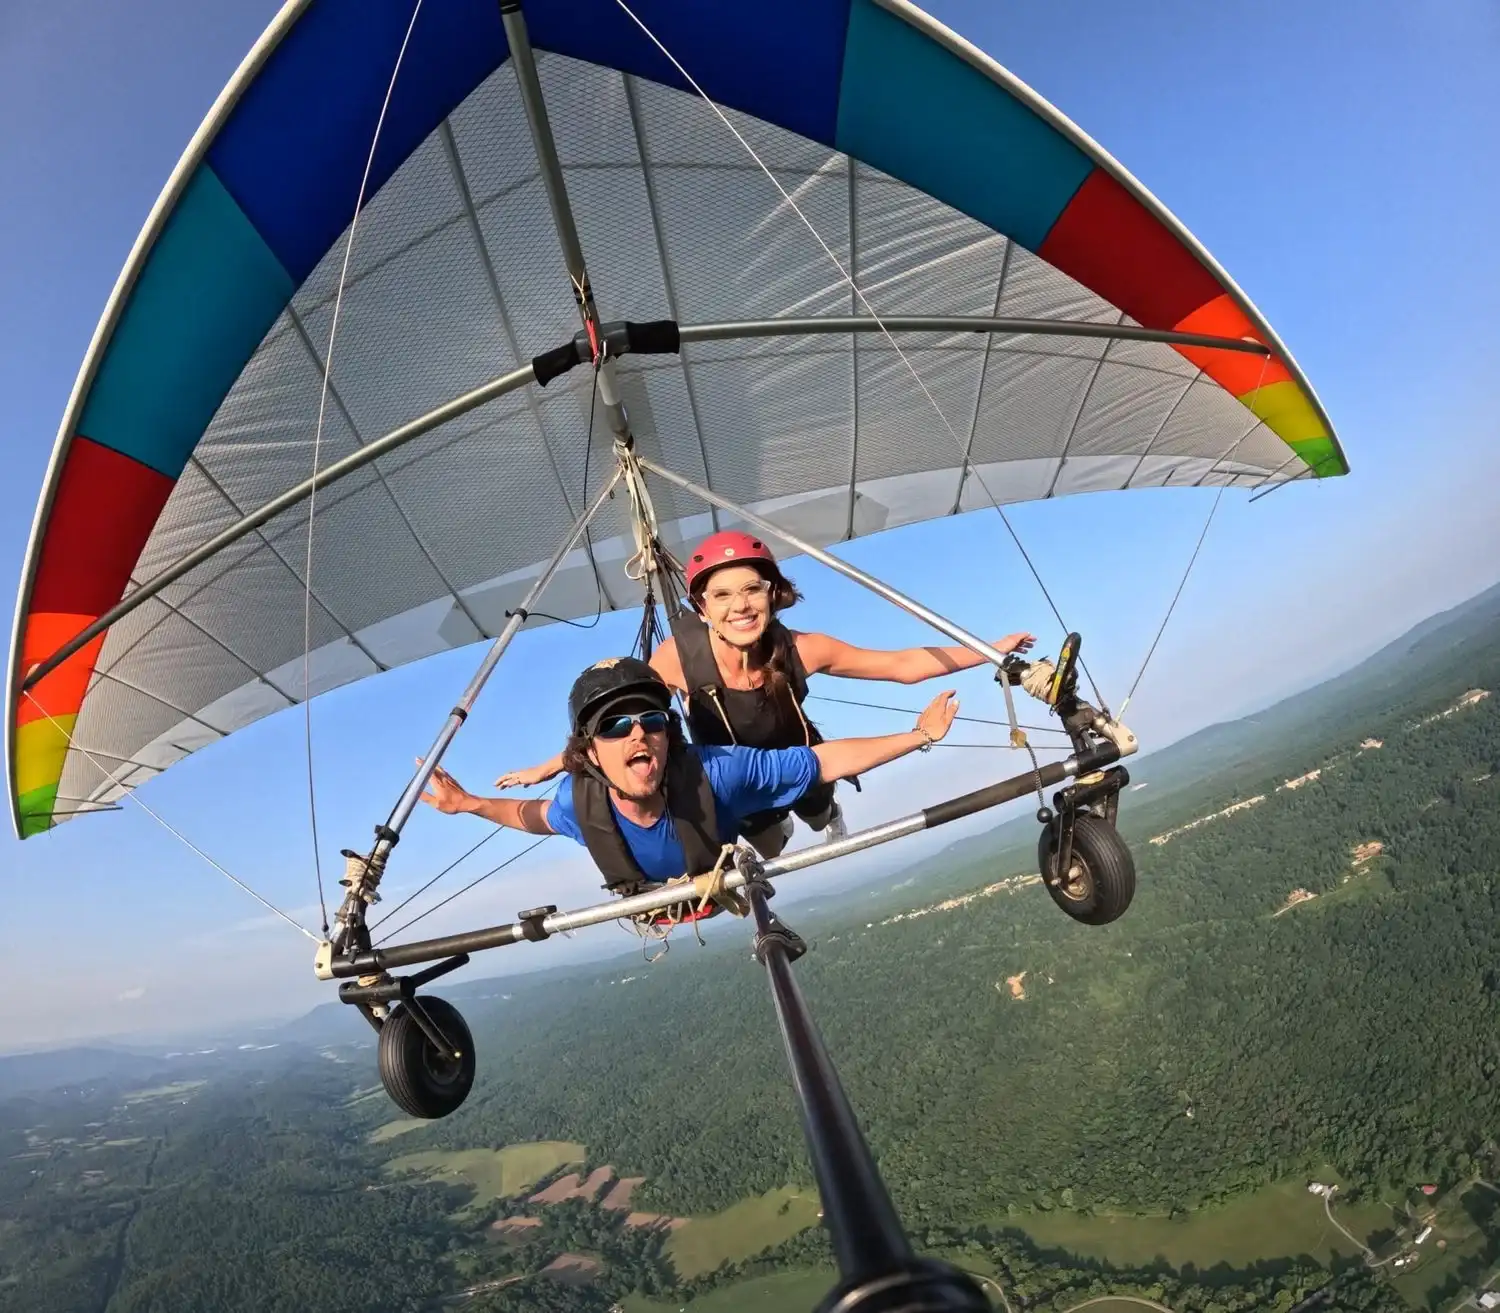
(797,1288)
(494,1173)
(364,1095)
(742,1230)
(163,1091)
(1370,882)
(1278,1221)
(392,1129)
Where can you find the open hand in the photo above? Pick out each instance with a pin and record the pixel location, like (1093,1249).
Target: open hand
(937,719)
(445,793)
(1022,642)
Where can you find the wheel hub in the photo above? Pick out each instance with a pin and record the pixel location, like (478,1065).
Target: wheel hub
(439,1065)
(1078,885)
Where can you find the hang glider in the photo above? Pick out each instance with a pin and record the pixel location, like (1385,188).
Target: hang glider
(854,275)
(1057,315)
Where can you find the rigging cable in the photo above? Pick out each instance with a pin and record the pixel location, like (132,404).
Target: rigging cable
(598,582)
(838,264)
(338,301)
(598,612)
(170,829)
(1193,559)
(1151,651)
(457,861)
(906,711)
(411,898)
(1011,747)
(494,870)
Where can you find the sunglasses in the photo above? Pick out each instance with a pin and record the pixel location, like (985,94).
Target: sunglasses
(618,727)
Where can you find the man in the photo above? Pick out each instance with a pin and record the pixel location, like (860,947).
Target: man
(649,806)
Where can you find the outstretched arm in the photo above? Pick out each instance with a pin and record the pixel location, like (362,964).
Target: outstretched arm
(527,775)
(449,796)
(841,758)
(822,654)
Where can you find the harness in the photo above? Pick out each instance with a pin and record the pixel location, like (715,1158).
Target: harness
(720,715)
(723,716)
(690,804)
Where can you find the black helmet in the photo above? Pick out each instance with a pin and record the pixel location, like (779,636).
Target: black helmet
(609,681)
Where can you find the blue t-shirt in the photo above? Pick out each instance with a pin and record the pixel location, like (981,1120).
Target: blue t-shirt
(744,781)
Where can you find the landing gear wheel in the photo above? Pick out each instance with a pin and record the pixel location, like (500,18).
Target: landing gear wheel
(1100,881)
(422,1080)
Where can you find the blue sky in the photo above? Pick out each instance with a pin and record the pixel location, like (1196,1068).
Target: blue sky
(1338,160)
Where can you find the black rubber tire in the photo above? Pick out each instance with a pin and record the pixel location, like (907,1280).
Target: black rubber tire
(1104,871)
(421,1081)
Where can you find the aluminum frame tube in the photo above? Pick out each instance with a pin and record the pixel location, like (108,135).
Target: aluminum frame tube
(907,604)
(523,60)
(523,57)
(498,387)
(731,330)
(866,1233)
(518,617)
(609,392)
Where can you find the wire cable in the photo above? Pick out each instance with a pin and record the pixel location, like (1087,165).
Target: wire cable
(494,870)
(167,826)
(1151,651)
(599,611)
(973,720)
(338,302)
(1193,559)
(864,300)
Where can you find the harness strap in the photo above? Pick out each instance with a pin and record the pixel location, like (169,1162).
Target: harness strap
(727,900)
(690,804)
(700,672)
(715,898)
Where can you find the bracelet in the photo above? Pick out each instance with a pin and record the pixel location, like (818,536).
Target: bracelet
(927,739)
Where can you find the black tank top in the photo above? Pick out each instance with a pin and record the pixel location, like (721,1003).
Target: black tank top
(751,717)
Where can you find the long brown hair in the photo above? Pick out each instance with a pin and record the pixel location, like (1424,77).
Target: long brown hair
(770,653)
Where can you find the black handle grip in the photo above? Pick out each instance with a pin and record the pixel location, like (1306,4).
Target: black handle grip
(554,363)
(656,337)
(659,337)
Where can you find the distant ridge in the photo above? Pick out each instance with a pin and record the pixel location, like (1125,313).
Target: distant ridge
(1452,647)
(1399,675)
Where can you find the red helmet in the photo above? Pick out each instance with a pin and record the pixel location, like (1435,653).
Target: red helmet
(728,548)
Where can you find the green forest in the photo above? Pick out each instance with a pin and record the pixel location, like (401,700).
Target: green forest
(1308,983)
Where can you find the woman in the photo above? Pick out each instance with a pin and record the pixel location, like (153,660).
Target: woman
(743,674)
